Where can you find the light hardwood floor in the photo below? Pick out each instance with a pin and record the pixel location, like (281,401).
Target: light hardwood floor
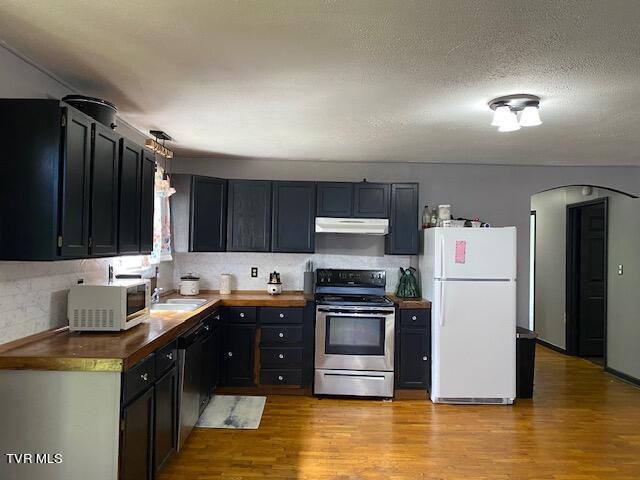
(581,425)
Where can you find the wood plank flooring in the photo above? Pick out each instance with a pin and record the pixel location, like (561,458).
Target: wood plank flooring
(581,425)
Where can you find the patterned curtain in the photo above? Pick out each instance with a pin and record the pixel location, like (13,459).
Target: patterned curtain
(161,219)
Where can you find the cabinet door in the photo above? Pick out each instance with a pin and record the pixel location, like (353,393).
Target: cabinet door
(147,193)
(130,182)
(238,354)
(104,191)
(335,199)
(208,232)
(136,438)
(76,174)
(403,223)
(415,364)
(249,216)
(166,418)
(215,357)
(294,208)
(371,200)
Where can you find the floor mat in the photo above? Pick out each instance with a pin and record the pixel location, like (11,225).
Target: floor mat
(232,411)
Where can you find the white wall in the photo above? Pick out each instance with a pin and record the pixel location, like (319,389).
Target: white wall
(500,195)
(33,294)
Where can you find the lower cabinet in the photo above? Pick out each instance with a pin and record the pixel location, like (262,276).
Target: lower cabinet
(281,346)
(166,418)
(136,440)
(238,342)
(413,367)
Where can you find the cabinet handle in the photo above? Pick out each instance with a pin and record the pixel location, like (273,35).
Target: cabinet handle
(241,314)
(144,376)
(281,356)
(169,356)
(424,358)
(282,315)
(217,317)
(281,335)
(230,354)
(280,377)
(206,327)
(414,318)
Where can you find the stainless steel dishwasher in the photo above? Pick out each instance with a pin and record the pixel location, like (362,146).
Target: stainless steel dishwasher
(190,380)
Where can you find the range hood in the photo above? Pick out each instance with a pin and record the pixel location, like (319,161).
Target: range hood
(366,226)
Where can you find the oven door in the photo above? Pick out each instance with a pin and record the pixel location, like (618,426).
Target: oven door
(354,338)
(137,304)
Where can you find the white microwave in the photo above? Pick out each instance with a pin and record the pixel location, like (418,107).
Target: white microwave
(109,306)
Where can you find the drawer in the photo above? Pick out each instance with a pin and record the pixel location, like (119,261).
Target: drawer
(140,377)
(281,315)
(241,314)
(414,317)
(280,376)
(277,357)
(166,358)
(280,335)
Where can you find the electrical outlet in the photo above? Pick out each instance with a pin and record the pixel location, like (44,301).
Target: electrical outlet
(620,269)
(80,281)
(254,272)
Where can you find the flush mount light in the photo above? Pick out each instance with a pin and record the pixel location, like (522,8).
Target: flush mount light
(506,109)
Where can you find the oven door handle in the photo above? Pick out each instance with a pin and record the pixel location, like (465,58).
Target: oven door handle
(359,313)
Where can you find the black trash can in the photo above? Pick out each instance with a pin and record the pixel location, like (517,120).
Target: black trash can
(525,361)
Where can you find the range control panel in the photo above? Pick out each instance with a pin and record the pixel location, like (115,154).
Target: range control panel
(351,278)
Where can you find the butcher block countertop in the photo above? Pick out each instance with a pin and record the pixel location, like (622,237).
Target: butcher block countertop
(117,351)
(61,349)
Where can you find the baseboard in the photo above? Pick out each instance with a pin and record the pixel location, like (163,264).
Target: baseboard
(623,376)
(552,346)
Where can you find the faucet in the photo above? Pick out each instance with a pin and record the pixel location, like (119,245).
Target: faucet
(155,296)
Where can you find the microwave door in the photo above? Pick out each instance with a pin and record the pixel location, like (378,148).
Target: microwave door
(136,303)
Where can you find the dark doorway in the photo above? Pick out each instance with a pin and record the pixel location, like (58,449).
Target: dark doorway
(587,278)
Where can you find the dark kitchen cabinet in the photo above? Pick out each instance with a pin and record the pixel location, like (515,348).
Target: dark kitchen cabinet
(76,183)
(335,199)
(414,350)
(238,342)
(293,226)
(104,191)
(129,205)
(147,192)
(371,200)
(403,222)
(166,418)
(136,438)
(208,214)
(249,216)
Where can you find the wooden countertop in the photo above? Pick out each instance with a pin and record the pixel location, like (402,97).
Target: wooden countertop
(117,351)
(61,349)
(403,304)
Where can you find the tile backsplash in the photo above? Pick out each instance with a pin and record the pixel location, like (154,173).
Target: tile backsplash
(291,266)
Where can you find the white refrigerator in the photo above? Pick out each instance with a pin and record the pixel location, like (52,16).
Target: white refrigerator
(469,275)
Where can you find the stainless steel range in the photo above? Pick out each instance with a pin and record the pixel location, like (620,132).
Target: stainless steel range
(354,334)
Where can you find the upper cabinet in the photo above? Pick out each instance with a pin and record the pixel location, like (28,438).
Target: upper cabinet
(249,216)
(104,184)
(371,200)
(208,214)
(147,192)
(403,223)
(62,178)
(130,184)
(293,226)
(335,199)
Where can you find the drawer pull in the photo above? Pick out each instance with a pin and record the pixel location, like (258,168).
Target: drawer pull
(282,315)
(241,314)
(280,377)
(230,354)
(144,376)
(425,358)
(169,356)
(207,328)
(281,356)
(217,317)
(414,318)
(281,335)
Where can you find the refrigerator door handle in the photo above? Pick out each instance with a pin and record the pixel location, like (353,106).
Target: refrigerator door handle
(442,262)
(442,287)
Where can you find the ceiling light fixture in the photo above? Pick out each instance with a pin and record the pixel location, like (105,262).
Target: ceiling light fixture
(155,145)
(506,109)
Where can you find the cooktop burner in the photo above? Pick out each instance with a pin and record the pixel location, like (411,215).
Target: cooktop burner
(371,300)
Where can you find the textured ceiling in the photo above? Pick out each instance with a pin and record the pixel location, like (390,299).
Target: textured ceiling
(352,80)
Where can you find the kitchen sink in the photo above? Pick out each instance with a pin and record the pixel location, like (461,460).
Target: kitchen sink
(175,307)
(187,301)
